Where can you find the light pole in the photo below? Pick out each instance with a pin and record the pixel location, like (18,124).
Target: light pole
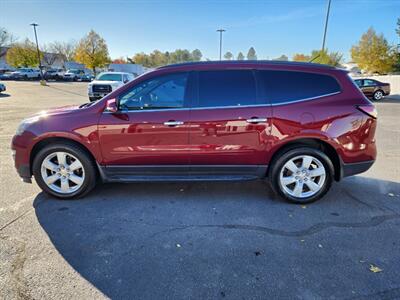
(220,42)
(326,25)
(34,25)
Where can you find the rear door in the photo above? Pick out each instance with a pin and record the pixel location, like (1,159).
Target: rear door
(228,126)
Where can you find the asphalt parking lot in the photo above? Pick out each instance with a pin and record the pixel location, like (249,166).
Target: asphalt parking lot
(197,240)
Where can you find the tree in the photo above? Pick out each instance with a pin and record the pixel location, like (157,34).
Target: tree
(120,61)
(373,53)
(283,57)
(92,51)
(240,56)
(228,55)
(49,57)
(6,38)
(301,57)
(323,57)
(65,49)
(23,55)
(196,55)
(251,54)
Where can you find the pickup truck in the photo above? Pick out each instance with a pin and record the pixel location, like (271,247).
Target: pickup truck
(107,82)
(26,73)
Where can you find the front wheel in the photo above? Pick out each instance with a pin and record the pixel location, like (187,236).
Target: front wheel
(64,171)
(302,175)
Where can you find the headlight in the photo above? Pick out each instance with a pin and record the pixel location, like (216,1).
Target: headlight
(25,124)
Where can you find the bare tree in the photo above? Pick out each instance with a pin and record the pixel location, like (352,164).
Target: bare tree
(6,37)
(65,49)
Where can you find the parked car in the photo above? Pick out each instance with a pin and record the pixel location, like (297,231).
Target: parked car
(6,76)
(2,87)
(107,82)
(54,74)
(300,125)
(87,78)
(26,74)
(373,88)
(74,75)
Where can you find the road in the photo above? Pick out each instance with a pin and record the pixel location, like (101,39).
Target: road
(197,240)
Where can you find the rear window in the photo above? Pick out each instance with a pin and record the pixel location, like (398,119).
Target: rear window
(290,86)
(226,88)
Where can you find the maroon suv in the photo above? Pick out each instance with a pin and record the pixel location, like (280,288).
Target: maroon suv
(301,125)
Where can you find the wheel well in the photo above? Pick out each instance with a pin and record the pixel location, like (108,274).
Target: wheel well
(316,144)
(43,143)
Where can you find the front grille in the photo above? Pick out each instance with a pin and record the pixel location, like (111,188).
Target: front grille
(102,88)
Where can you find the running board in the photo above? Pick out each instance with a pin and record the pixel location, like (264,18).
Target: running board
(168,173)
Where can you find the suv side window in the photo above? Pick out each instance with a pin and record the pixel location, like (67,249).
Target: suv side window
(226,88)
(160,92)
(290,86)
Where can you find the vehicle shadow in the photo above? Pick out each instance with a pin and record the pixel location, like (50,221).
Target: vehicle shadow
(2,95)
(390,99)
(211,240)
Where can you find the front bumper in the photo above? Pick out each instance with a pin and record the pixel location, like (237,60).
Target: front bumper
(21,156)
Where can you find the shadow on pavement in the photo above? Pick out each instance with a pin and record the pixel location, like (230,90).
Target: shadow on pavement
(234,240)
(2,95)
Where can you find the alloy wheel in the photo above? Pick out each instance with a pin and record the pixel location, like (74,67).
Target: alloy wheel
(302,176)
(62,172)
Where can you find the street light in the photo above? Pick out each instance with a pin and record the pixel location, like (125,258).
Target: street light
(34,25)
(326,24)
(220,42)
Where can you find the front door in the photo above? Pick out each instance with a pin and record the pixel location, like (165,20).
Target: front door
(228,126)
(151,127)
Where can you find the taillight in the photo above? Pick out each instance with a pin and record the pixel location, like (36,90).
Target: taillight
(369,110)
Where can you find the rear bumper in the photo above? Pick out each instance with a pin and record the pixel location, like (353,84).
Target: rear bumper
(349,169)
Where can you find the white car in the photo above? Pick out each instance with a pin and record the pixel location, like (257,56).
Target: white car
(26,73)
(107,82)
(74,75)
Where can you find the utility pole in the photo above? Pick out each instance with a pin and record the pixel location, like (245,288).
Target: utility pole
(326,25)
(34,25)
(220,42)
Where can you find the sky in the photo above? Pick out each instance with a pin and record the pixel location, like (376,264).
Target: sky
(273,28)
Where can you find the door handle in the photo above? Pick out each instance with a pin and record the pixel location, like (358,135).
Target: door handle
(256,120)
(173,123)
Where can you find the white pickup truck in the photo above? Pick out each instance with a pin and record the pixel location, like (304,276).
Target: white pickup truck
(26,73)
(107,82)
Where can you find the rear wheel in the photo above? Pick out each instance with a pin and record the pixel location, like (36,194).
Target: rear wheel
(64,171)
(302,175)
(378,95)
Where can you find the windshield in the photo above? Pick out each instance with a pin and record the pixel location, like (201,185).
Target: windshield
(22,70)
(109,77)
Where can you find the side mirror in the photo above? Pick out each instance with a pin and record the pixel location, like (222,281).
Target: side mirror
(111,106)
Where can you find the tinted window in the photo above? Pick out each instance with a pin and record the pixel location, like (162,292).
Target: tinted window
(157,93)
(359,82)
(369,82)
(226,88)
(287,86)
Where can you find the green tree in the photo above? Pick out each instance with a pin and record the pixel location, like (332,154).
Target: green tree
(326,58)
(196,55)
(23,55)
(283,57)
(228,55)
(240,56)
(251,54)
(301,57)
(373,53)
(92,51)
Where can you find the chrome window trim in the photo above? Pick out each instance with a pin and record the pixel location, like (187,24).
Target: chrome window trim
(231,106)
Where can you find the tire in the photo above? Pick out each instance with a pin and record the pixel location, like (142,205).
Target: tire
(86,173)
(279,174)
(26,77)
(92,99)
(378,95)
